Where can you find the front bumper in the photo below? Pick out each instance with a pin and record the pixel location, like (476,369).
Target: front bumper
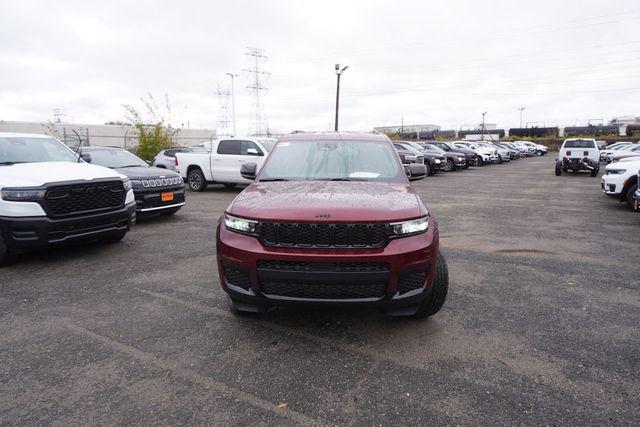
(150,200)
(242,259)
(21,233)
(612,184)
(460,162)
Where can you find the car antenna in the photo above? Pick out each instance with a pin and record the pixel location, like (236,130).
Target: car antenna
(79,144)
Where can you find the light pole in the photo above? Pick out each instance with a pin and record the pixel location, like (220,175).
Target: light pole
(520,109)
(233,102)
(338,73)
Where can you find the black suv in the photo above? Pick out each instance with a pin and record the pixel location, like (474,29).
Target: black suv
(157,190)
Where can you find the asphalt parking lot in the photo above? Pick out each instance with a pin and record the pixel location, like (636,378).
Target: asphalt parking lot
(540,326)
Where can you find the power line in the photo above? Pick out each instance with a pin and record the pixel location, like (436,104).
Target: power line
(223,127)
(257,89)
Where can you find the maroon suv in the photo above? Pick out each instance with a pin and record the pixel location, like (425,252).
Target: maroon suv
(332,219)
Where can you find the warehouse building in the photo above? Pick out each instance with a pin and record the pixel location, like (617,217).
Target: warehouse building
(101,135)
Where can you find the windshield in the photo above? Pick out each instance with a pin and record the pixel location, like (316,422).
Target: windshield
(28,150)
(433,147)
(333,160)
(579,143)
(115,158)
(268,143)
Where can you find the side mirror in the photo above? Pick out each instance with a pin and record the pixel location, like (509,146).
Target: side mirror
(253,152)
(86,157)
(248,170)
(416,171)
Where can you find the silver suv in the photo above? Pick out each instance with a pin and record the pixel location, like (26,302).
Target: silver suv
(167,158)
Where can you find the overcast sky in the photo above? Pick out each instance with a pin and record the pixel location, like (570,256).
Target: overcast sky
(440,62)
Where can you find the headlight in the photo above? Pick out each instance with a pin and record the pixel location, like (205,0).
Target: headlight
(127,185)
(240,225)
(406,228)
(411,158)
(437,161)
(461,158)
(615,171)
(17,195)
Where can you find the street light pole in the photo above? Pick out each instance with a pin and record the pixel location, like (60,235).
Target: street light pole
(521,108)
(233,102)
(338,73)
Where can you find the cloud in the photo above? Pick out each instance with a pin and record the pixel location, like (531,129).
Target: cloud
(425,62)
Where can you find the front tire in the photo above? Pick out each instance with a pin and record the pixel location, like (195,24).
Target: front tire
(629,198)
(539,153)
(449,166)
(558,168)
(435,301)
(595,171)
(480,161)
(196,180)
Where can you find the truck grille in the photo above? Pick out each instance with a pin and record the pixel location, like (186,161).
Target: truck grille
(65,200)
(323,235)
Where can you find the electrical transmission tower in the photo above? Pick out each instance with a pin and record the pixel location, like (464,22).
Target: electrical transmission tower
(257,89)
(223,127)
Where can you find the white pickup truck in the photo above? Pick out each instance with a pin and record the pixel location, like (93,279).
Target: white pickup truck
(221,165)
(50,195)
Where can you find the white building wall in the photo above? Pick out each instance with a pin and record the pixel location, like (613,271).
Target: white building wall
(101,135)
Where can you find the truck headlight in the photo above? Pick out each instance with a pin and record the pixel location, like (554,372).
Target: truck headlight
(240,225)
(411,158)
(407,228)
(18,195)
(127,185)
(135,183)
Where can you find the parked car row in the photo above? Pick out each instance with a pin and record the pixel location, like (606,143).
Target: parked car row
(455,155)
(87,194)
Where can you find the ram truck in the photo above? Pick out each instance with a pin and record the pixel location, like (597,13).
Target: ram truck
(50,195)
(221,163)
(331,219)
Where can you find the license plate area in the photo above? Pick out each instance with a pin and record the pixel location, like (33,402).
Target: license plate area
(167,197)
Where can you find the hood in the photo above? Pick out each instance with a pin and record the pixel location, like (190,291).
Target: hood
(143,172)
(340,200)
(458,153)
(41,173)
(433,153)
(624,164)
(625,154)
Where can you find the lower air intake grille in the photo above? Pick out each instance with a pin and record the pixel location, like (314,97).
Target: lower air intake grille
(409,282)
(237,276)
(324,291)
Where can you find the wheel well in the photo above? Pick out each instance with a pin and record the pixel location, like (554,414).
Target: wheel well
(161,166)
(193,167)
(633,180)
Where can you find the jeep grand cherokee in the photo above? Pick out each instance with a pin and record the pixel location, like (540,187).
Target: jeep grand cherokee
(332,219)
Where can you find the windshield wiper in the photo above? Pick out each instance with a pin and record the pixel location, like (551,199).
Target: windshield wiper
(9,163)
(130,166)
(343,179)
(273,179)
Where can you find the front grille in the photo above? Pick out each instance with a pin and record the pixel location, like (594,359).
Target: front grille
(324,291)
(65,200)
(351,267)
(411,281)
(237,276)
(323,235)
